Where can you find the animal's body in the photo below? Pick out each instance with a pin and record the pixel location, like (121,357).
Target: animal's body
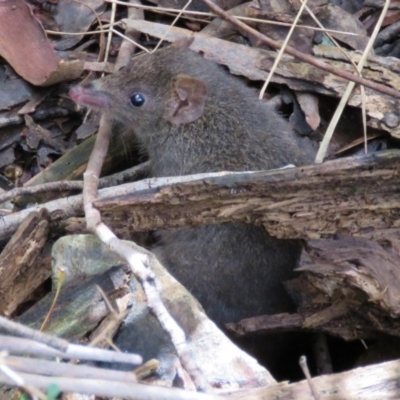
(192,116)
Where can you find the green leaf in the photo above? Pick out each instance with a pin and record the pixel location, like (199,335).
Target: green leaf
(53,391)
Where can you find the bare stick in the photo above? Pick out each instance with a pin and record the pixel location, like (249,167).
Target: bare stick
(21,330)
(302,56)
(16,379)
(304,367)
(127,46)
(136,257)
(103,388)
(282,50)
(61,186)
(30,347)
(55,368)
(72,205)
(343,101)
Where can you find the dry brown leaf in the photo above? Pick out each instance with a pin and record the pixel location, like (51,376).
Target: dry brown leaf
(333,17)
(309,105)
(23,43)
(76,16)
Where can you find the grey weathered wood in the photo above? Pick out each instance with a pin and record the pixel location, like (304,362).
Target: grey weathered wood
(357,196)
(373,382)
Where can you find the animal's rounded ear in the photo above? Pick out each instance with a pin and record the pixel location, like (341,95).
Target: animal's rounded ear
(188,100)
(183,42)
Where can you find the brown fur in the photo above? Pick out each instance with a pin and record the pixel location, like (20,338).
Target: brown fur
(197,118)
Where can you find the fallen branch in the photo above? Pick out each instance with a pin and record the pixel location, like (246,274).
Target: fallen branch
(31,347)
(372,382)
(357,196)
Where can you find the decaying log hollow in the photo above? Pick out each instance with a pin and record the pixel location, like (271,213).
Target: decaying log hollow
(348,287)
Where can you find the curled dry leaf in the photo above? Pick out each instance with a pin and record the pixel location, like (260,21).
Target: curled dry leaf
(309,105)
(76,16)
(23,43)
(333,17)
(13,90)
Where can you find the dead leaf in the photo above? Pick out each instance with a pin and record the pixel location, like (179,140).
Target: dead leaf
(34,133)
(13,90)
(7,156)
(333,17)
(309,105)
(24,44)
(76,16)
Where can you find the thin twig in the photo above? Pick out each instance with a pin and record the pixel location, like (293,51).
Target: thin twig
(109,36)
(61,186)
(60,280)
(172,25)
(55,368)
(109,325)
(19,346)
(72,206)
(160,10)
(302,56)
(304,367)
(282,50)
(136,257)
(128,48)
(26,332)
(103,388)
(343,101)
(16,379)
(362,88)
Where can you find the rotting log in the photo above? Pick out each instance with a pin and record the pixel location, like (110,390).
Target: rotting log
(348,287)
(21,268)
(357,196)
(373,382)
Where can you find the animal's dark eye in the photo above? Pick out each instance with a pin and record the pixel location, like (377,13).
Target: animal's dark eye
(137,100)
